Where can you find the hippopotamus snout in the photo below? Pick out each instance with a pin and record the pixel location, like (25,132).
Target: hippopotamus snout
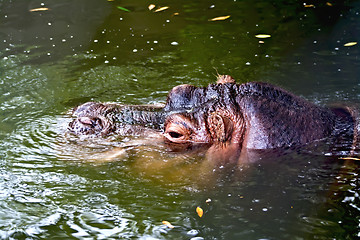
(91,119)
(86,125)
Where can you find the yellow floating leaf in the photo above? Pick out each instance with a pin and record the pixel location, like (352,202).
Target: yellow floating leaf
(161,9)
(263,36)
(151,7)
(176,14)
(39,9)
(220,18)
(199,211)
(309,6)
(350,158)
(329,4)
(261,42)
(168,224)
(350,44)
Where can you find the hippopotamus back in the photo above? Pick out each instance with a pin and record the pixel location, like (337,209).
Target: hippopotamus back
(277,118)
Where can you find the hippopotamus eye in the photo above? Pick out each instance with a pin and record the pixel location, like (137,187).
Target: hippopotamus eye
(175,134)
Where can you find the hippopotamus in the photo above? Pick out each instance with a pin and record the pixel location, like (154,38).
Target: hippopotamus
(227,119)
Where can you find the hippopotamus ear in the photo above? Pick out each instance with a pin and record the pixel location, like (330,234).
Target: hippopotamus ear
(220,127)
(224,79)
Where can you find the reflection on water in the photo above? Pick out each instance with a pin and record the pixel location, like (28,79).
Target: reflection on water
(54,60)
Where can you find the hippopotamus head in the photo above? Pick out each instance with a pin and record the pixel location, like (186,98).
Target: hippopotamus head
(204,117)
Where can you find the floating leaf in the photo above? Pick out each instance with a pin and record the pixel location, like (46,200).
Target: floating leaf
(220,18)
(350,44)
(199,211)
(309,6)
(168,224)
(39,9)
(161,9)
(329,4)
(123,9)
(263,36)
(151,7)
(350,158)
(208,200)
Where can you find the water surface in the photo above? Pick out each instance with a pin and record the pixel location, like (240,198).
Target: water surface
(78,51)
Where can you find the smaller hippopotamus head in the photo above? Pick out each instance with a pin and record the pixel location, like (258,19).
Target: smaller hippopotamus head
(91,119)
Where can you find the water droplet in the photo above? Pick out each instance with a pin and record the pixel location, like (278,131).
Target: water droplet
(192,232)
(197,238)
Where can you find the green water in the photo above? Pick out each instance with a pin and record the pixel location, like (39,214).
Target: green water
(52,187)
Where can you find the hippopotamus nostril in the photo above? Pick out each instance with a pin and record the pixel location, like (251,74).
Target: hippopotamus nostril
(86,120)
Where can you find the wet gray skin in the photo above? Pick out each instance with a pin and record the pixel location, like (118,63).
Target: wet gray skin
(226,117)
(102,119)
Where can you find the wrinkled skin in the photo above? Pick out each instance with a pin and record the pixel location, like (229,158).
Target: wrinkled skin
(225,118)
(100,119)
